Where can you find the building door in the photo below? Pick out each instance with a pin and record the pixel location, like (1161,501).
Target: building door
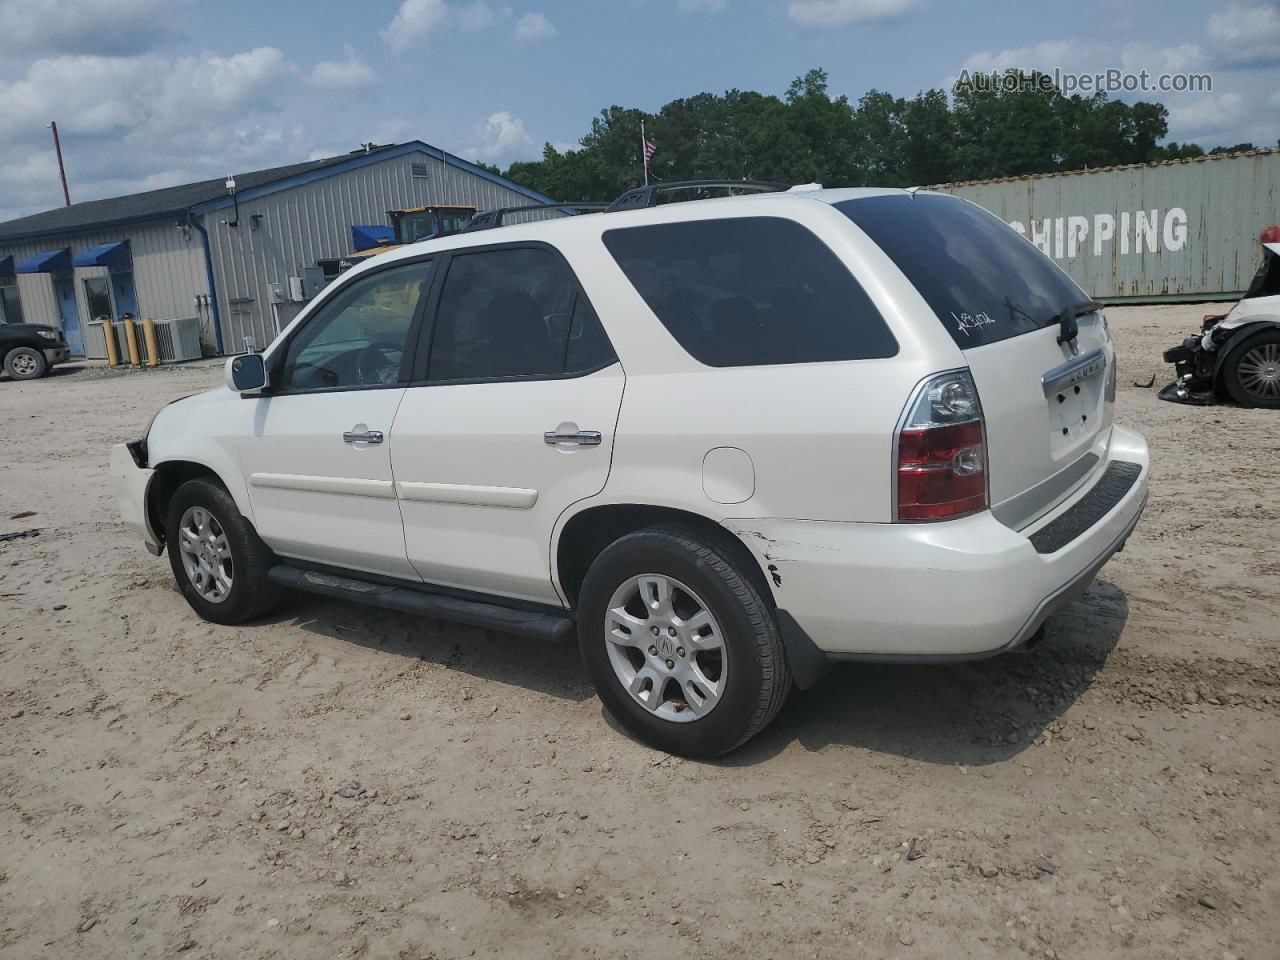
(64,292)
(97,294)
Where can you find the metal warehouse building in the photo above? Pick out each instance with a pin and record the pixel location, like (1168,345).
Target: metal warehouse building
(234,266)
(1175,230)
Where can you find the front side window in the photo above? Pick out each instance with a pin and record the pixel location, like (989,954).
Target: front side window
(748,291)
(10,303)
(514,314)
(357,339)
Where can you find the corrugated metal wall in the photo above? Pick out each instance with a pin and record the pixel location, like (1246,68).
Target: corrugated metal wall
(168,273)
(313,222)
(1179,230)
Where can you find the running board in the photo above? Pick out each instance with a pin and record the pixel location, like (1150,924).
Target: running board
(526,623)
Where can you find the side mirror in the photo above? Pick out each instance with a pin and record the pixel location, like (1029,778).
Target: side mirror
(246,374)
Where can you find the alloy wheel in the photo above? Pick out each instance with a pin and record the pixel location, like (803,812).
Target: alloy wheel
(666,647)
(1259,372)
(206,554)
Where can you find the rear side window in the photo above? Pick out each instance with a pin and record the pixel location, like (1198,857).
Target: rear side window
(983,280)
(751,291)
(514,313)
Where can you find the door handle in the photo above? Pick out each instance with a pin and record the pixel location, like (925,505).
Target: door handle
(362,436)
(583,438)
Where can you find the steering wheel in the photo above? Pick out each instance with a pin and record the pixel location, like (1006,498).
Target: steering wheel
(375,363)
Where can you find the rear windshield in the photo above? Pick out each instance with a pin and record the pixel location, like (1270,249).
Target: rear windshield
(983,280)
(748,291)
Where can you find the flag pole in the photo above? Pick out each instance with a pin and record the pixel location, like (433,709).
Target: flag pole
(644,153)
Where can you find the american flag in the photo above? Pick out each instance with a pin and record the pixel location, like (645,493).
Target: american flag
(649,150)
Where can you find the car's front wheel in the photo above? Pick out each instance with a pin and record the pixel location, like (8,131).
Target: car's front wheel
(25,363)
(1251,372)
(683,649)
(218,560)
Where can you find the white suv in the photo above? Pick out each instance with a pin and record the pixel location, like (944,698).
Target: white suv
(724,442)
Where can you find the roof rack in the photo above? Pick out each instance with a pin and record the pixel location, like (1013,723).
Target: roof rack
(647,196)
(491,219)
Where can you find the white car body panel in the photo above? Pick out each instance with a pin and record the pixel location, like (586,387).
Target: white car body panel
(480,487)
(317,497)
(465,493)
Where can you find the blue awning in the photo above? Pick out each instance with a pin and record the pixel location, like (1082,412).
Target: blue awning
(106,255)
(51,261)
(366,238)
(6,266)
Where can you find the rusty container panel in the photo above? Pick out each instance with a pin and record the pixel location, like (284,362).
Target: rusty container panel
(1179,230)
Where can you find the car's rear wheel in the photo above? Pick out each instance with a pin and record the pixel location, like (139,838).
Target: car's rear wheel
(683,649)
(1251,371)
(25,363)
(218,560)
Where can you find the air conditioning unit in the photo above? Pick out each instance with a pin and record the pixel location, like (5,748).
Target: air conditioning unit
(179,339)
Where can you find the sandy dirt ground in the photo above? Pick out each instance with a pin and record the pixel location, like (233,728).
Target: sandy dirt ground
(342,782)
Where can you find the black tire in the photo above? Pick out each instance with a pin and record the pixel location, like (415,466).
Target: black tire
(758,678)
(25,363)
(1265,346)
(251,594)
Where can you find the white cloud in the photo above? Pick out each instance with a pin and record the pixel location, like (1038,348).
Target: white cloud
(413,22)
(835,13)
(533,28)
(701,6)
(1138,56)
(1246,36)
(131,123)
(349,73)
(1044,56)
(475,17)
(501,137)
(93,95)
(40,27)
(1213,114)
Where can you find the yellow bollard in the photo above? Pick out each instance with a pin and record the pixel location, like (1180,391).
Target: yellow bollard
(131,339)
(109,335)
(149,338)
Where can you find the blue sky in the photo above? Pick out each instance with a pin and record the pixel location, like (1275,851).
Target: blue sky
(149,93)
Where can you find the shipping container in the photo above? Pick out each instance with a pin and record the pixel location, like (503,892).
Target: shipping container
(1177,230)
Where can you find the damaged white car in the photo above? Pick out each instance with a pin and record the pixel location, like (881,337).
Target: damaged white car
(1236,355)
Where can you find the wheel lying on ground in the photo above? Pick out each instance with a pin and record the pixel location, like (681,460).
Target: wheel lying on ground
(25,363)
(218,560)
(683,649)
(1251,371)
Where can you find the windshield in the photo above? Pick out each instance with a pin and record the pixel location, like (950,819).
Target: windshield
(983,280)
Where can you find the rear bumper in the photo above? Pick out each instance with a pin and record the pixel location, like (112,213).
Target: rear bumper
(958,590)
(130,483)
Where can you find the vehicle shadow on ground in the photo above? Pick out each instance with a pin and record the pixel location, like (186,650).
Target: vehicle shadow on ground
(971,713)
(551,668)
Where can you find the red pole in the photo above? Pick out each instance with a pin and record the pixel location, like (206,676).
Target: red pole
(62,171)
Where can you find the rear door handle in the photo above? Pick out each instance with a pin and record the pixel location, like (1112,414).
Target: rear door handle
(362,436)
(583,438)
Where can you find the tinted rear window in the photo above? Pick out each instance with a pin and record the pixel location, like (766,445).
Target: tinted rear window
(751,291)
(983,280)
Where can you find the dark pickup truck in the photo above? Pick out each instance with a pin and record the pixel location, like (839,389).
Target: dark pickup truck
(29,350)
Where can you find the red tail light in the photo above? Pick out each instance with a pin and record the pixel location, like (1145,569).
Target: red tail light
(942,452)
